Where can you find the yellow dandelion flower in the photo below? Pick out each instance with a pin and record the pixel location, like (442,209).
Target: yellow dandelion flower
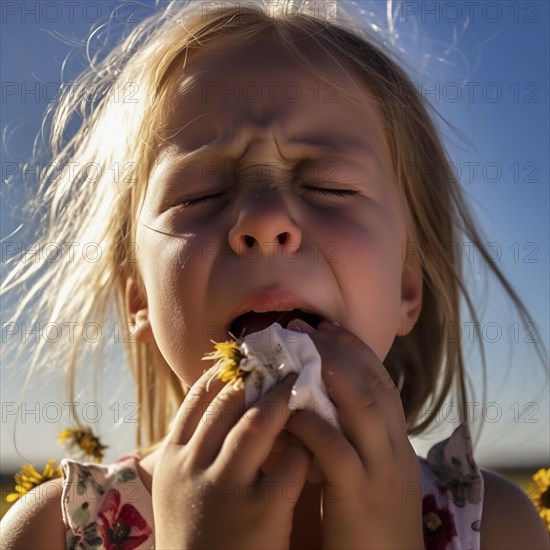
(541,498)
(228,356)
(28,478)
(432,522)
(84,439)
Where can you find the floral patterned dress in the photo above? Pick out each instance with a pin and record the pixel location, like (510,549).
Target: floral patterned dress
(108,507)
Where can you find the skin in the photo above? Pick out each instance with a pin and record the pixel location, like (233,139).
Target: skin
(269,227)
(281,220)
(213,445)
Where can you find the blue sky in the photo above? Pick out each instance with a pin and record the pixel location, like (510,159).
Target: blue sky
(492,86)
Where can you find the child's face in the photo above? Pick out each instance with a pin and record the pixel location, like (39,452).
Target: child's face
(264,141)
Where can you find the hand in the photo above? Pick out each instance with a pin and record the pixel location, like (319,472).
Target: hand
(367,467)
(208,489)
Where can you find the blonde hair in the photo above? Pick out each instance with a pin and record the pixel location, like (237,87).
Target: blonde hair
(104,209)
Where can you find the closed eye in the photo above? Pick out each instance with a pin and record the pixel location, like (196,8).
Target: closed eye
(332,192)
(319,190)
(199,200)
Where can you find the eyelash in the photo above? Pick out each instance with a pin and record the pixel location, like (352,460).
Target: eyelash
(331,192)
(319,190)
(198,200)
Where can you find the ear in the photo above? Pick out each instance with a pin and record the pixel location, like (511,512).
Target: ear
(411,296)
(137,313)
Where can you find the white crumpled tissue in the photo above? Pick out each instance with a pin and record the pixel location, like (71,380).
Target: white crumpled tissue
(274,352)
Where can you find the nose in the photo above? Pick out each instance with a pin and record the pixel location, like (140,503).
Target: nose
(263,222)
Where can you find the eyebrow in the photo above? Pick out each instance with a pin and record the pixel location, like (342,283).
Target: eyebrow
(336,143)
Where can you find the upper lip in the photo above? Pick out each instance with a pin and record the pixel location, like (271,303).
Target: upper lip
(271,300)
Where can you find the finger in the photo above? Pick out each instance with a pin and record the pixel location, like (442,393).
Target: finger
(370,411)
(335,455)
(369,407)
(193,406)
(364,410)
(219,417)
(289,474)
(336,334)
(314,474)
(330,334)
(251,440)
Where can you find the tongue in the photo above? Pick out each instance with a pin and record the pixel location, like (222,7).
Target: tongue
(254,322)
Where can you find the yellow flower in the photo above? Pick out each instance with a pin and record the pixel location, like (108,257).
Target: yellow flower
(432,522)
(541,498)
(228,356)
(84,439)
(28,478)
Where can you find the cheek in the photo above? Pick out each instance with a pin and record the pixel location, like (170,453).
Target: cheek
(174,276)
(369,273)
(161,261)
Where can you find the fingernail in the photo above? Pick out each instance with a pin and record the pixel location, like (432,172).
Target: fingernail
(329,326)
(298,325)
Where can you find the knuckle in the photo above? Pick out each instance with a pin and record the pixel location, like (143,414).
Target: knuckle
(366,401)
(334,440)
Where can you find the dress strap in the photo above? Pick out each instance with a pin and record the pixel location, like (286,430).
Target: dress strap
(452,494)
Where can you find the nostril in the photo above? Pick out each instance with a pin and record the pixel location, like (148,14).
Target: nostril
(282,238)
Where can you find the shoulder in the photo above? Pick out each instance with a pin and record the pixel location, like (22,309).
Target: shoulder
(509,520)
(35,520)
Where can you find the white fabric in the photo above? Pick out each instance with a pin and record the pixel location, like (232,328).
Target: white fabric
(273,353)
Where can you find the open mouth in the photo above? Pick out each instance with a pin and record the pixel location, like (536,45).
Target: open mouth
(254,321)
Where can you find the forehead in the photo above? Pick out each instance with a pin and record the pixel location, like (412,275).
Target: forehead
(238,94)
